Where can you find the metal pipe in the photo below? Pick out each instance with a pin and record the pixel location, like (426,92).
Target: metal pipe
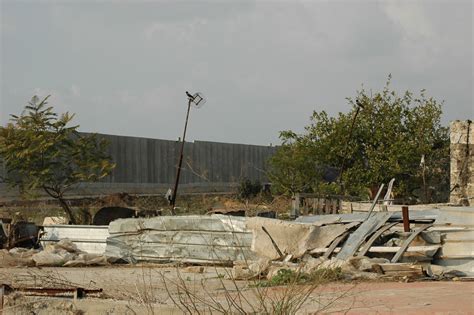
(406,219)
(178,173)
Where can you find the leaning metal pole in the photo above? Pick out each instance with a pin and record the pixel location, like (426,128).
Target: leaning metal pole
(359,106)
(175,190)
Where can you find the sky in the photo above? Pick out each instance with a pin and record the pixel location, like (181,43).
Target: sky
(264,66)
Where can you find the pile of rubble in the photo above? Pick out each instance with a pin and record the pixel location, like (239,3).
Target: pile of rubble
(62,254)
(431,243)
(360,248)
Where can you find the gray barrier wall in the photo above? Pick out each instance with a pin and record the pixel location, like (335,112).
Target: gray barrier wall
(149,165)
(143,160)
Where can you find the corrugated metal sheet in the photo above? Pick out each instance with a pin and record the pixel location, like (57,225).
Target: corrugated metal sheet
(194,239)
(88,238)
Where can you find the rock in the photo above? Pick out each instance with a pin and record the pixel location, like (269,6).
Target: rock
(244,270)
(93,259)
(337,263)
(393,242)
(55,220)
(11,260)
(273,270)
(311,264)
(194,269)
(18,250)
(52,259)
(259,267)
(453,273)
(241,272)
(67,245)
(435,270)
(361,275)
(83,260)
(365,263)
(75,263)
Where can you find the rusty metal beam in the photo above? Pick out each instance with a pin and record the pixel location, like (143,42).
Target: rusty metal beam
(74,292)
(406,219)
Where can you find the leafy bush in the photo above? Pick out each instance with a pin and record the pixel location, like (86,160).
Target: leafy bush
(385,135)
(249,189)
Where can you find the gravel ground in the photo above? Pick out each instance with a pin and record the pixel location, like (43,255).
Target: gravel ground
(141,290)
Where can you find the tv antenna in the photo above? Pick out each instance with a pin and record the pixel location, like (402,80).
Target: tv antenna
(196,100)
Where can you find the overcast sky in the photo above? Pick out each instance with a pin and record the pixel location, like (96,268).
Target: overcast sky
(264,66)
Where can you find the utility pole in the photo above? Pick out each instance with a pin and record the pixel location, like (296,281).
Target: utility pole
(359,107)
(198,100)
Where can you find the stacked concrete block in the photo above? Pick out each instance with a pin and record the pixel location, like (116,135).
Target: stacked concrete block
(462,162)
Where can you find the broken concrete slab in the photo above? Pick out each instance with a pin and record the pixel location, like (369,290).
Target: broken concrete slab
(291,238)
(52,259)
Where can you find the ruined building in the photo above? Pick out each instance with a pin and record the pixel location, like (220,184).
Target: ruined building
(462,162)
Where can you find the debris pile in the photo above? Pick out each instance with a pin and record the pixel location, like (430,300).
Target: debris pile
(429,243)
(64,253)
(365,245)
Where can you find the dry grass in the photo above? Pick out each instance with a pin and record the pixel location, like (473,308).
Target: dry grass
(232,296)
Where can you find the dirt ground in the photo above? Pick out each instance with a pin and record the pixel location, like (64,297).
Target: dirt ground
(149,289)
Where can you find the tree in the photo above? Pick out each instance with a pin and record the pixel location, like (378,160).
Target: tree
(393,136)
(40,151)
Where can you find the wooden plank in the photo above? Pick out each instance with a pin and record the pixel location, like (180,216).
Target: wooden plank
(399,269)
(374,237)
(407,242)
(373,223)
(399,266)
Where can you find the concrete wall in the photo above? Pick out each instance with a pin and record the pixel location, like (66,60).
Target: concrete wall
(149,166)
(142,160)
(462,162)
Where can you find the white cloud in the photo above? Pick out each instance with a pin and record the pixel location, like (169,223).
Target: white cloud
(410,16)
(75,90)
(181,30)
(420,43)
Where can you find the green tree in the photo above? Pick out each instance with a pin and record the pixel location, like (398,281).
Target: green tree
(40,151)
(392,134)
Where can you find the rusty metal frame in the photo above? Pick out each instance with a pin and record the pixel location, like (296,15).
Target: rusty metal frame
(74,292)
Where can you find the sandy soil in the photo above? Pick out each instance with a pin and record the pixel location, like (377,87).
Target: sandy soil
(142,290)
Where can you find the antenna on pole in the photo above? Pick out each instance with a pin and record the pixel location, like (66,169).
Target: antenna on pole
(196,100)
